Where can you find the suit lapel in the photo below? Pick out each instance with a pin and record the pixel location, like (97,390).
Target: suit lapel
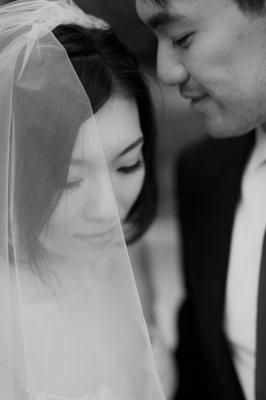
(213,247)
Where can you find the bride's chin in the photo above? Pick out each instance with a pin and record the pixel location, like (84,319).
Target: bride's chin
(79,251)
(72,254)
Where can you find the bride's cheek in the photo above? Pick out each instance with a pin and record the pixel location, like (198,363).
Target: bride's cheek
(132,189)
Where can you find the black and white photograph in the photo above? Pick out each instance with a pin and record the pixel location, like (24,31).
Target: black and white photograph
(132,199)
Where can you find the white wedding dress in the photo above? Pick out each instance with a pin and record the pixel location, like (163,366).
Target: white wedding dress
(73,349)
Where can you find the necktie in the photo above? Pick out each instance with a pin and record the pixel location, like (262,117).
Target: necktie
(260,378)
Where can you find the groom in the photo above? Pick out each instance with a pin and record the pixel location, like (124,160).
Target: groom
(214,52)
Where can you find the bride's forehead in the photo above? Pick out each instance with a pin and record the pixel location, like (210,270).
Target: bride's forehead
(108,131)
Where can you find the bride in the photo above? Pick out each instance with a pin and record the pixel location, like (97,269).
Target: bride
(77,184)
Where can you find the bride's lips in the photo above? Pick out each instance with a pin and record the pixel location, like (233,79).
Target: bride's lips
(100,237)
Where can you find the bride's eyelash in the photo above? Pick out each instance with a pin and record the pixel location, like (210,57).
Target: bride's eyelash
(124,170)
(131,168)
(72,185)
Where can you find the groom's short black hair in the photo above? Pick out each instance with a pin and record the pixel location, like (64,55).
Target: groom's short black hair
(250,5)
(244,5)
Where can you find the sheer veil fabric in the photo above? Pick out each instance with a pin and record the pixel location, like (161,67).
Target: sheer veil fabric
(72,327)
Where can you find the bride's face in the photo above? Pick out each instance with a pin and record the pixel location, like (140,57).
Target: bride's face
(105,177)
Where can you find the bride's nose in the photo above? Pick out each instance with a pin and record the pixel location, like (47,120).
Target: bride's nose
(100,204)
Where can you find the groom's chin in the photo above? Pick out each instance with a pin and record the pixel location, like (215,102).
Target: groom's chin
(222,127)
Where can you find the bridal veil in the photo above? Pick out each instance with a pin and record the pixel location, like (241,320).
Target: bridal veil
(72,327)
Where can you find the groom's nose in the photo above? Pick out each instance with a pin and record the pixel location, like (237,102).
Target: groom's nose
(171,71)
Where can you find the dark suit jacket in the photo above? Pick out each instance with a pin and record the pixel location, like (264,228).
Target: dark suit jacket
(208,189)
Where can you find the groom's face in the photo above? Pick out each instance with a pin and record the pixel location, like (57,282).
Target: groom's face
(216,54)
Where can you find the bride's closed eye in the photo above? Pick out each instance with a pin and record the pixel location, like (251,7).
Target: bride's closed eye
(73,184)
(130,169)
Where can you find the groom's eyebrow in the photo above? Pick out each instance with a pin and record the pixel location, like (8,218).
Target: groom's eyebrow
(164,18)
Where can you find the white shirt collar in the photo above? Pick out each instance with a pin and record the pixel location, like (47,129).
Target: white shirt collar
(258,156)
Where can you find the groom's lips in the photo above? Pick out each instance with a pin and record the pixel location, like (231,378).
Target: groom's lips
(195,97)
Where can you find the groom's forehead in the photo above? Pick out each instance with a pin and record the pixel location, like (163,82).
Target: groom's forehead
(168,4)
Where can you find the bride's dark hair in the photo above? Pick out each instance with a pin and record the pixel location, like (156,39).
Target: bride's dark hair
(106,68)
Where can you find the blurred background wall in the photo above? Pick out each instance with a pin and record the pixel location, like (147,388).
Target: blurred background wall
(177,127)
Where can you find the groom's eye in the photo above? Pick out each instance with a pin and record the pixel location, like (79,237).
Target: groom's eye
(183,42)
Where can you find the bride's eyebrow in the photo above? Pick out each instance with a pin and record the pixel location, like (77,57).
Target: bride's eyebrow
(78,162)
(132,146)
